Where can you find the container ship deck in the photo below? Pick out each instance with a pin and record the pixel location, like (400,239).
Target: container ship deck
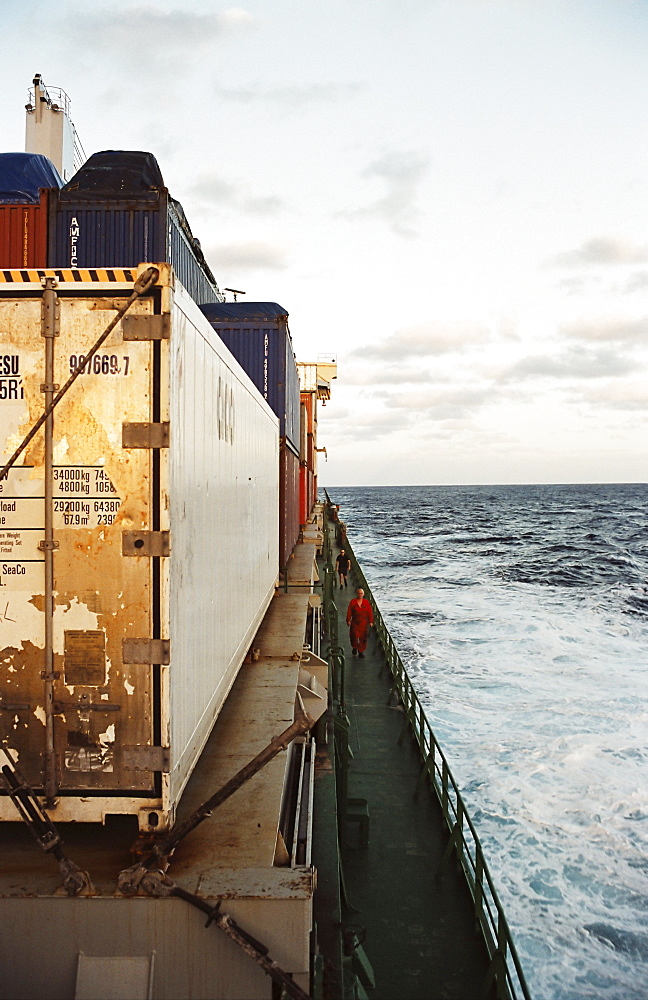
(357,849)
(242,809)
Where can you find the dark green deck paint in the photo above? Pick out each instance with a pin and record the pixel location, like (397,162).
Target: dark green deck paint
(420,931)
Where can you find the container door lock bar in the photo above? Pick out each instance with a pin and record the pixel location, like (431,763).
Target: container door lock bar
(75,881)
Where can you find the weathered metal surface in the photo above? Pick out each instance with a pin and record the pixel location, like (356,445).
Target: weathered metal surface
(146,435)
(215,490)
(146,543)
(146,651)
(156,327)
(97,487)
(146,758)
(190,959)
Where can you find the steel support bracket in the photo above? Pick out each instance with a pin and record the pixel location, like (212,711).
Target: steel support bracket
(147,327)
(48,545)
(146,651)
(146,543)
(146,435)
(146,758)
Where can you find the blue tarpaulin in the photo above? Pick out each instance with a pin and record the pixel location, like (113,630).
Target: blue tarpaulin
(243,312)
(22,175)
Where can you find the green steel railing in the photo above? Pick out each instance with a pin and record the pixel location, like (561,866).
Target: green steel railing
(505,970)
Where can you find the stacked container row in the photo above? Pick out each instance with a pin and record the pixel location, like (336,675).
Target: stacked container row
(307,456)
(114,212)
(27,181)
(258,336)
(117,211)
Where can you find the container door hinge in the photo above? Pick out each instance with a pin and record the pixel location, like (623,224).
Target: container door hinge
(146,651)
(146,758)
(147,327)
(145,435)
(146,543)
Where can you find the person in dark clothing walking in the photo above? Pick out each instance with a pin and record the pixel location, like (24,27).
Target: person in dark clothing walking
(342,564)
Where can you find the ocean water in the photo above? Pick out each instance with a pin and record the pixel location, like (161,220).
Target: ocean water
(522,615)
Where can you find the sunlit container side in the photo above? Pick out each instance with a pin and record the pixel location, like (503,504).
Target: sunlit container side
(25,181)
(116,210)
(257,334)
(166,494)
(289,520)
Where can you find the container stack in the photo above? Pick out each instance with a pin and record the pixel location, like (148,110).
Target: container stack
(315,387)
(116,211)
(257,334)
(307,455)
(27,181)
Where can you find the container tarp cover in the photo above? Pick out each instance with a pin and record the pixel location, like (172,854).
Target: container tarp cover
(22,175)
(243,312)
(117,173)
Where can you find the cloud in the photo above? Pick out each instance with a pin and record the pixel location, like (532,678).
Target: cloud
(213,191)
(386,375)
(291,97)
(402,174)
(618,397)
(148,33)
(250,256)
(577,362)
(601,250)
(424,340)
(440,404)
(359,426)
(609,330)
(637,283)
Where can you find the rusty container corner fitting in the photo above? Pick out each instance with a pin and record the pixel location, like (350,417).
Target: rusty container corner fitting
(26,181)
(121,535)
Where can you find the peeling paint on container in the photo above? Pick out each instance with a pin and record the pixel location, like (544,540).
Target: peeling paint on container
(213,494)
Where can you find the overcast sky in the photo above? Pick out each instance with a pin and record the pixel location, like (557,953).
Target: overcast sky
(451,196)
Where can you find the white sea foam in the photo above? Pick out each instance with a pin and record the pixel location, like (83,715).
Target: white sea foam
(526,637)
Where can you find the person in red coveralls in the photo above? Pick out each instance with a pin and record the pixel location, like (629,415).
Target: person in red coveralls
(359,619)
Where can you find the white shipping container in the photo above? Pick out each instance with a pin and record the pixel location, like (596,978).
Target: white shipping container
(164,541)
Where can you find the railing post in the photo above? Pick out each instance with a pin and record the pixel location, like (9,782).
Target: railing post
(479,887)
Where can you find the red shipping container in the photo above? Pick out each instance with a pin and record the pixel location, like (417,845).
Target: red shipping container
(23,235)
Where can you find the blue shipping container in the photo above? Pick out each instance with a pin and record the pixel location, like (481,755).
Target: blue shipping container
(257,334)
(116,212)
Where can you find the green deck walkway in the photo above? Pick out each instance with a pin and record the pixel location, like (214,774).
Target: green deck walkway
(420,931)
